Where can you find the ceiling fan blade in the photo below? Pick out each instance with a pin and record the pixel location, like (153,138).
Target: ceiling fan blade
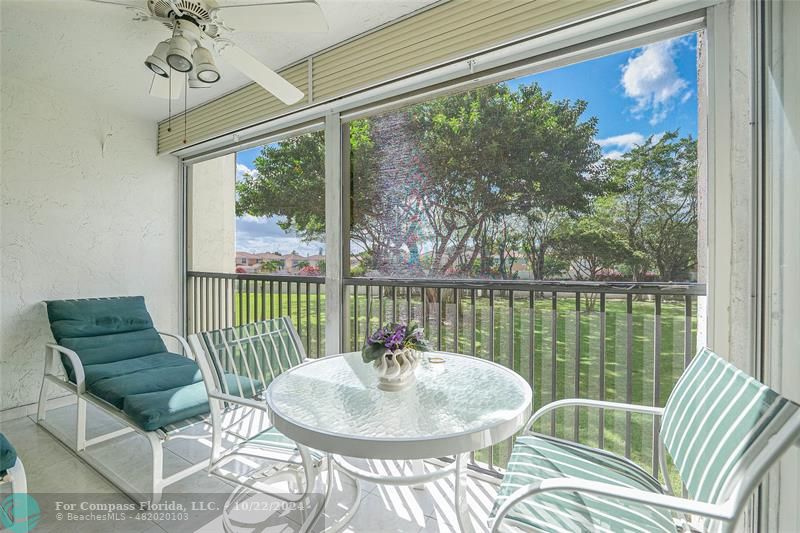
(160,86)
(278,17)
(261,74)
(132,3)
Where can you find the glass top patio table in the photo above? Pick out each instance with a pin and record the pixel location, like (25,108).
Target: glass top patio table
(458,405)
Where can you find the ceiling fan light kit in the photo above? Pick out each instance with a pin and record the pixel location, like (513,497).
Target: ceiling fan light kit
(200,29)
(204,67)
(179,56)
(157,61)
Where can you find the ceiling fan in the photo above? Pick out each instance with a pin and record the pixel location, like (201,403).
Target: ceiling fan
(201,28)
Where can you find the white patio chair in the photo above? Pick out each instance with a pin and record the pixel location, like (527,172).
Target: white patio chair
(15,511)
(722,429)
(238,364)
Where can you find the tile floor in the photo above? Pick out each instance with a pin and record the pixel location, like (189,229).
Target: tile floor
(53,468)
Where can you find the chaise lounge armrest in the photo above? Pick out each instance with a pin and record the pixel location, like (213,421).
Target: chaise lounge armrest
(584,402)
(184,345)
(675,503)
(50,363)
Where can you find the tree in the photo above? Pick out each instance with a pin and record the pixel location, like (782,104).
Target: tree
(273,265)
(590,245)
(493,152)
(289,181)
(480,156)
(658,206)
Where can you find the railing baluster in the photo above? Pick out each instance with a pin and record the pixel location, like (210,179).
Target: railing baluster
(491,357)
(531,335)
(511,329)
(439,319)
(457,319)
(474,323)
(264,300)
(319,319)
(280,298)
(299,325)
(272,299)
(308,318)
(687,334)
(424,297)
(381,314)
(368,313)
(289,301)
(656,381)
(394,303)
(628,370)
(408,304)
(553,356)
(355,318)
(577,362)
(238,320)
(602,366)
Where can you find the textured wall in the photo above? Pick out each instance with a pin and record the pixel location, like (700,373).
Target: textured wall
(87,210)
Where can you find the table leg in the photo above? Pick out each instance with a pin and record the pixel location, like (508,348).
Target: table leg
(320,509)
(462,510)
(418,468)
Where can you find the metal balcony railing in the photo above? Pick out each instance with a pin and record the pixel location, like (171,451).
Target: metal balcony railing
(618,341)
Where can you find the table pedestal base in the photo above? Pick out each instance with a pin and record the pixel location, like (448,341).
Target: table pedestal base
(419,477)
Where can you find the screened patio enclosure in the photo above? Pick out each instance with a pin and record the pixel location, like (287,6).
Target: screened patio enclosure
(580,195)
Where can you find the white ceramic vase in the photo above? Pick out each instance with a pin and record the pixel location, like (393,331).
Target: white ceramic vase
(395,369)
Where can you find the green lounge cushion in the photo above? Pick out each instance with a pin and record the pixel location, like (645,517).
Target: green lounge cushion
(97,316)
(115,389)
(8,455)
(153,410)
(162,360)
(537,457)
(103,330)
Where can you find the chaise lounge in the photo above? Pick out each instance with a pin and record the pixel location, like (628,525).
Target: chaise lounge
(115,359)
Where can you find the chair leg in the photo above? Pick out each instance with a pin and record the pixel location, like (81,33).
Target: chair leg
(157,451)
(41,410)
(80,425)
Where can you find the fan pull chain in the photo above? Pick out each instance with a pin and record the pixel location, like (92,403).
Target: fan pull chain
(169,103)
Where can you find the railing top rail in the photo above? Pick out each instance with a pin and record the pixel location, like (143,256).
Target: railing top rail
(616,287)
(259,277)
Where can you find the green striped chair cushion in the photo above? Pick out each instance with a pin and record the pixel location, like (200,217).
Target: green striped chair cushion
(537,457)
(715,420)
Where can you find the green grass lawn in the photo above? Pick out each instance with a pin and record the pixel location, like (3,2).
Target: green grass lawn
(512,346)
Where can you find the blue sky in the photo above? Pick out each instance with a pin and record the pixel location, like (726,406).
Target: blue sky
(634,94)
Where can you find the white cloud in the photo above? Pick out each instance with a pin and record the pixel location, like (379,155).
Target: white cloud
(614,154)
(626,141)
(652,79)
(241,170)
(616,146)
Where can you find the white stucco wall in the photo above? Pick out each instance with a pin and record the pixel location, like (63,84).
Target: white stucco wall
(87,210)
(211,240)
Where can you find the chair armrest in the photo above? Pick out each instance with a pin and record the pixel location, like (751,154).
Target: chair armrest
(184,345)
(584,402)
(709,510)
(247,402)
(75,361)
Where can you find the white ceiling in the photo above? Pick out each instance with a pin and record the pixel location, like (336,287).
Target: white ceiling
(97,51)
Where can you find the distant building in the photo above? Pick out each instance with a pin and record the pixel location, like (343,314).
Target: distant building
(286,264)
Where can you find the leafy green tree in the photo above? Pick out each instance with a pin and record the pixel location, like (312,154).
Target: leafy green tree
(492,152)
(289,182)
(273,265)
(657,210)
(589,245)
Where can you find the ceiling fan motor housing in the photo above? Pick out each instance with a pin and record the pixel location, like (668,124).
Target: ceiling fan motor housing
(195,11)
